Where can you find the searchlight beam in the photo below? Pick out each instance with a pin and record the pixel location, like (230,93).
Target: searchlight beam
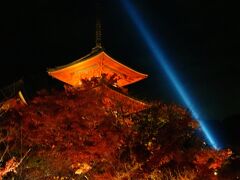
(162,61)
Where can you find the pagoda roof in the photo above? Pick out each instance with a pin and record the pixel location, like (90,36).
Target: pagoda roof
(113,99)
(94,65)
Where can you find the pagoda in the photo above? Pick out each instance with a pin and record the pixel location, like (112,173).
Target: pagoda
(98,64)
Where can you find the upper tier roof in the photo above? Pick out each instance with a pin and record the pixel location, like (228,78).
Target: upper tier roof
(94,65)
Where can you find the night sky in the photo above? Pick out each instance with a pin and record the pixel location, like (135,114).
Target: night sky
(199,38)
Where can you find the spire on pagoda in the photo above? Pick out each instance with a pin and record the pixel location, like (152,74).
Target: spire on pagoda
(98,34)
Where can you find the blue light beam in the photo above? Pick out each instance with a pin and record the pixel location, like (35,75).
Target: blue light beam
(162,61)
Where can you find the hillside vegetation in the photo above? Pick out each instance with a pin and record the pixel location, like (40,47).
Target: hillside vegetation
(73,135)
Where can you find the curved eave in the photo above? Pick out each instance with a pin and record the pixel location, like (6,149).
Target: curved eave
(130,105)
(83,59)
(117,62)
(109,64)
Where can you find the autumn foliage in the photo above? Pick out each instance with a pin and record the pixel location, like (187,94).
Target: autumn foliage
(72,135)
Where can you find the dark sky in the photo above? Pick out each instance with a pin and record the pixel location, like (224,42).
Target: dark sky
(200,39)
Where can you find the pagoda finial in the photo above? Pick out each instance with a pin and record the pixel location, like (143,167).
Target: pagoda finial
(98,33)
(98,27)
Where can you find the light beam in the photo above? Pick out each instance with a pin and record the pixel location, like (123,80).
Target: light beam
(162,61)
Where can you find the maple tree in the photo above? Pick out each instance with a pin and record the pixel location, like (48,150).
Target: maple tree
(71,134)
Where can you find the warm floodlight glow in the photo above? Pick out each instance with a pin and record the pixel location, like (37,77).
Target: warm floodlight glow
(95,65)
(162,61)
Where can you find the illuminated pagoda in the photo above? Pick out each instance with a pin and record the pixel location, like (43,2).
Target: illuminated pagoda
(98,64)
